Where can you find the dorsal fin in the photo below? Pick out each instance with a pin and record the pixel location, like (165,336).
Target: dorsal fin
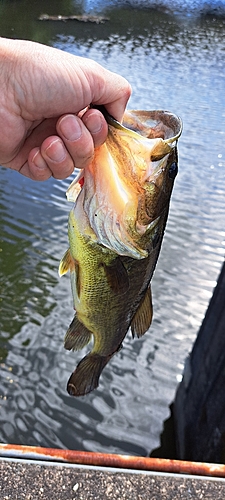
(77,335)
(143,316)
(117,276)
(66,263)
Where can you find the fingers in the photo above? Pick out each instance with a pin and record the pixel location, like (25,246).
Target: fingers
(52,159)
(117,107)
(97,126)
(74,147)
(81,136)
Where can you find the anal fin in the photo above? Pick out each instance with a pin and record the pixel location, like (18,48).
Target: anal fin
(77,335)
(86,376)
(143,316)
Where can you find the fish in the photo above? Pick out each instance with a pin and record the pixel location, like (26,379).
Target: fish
(115,230)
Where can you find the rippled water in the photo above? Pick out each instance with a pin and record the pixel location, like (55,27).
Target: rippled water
(172,63)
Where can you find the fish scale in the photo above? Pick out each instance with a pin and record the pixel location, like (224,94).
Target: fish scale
(115,233)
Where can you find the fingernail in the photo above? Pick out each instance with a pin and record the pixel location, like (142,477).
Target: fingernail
(56,151)
(70,128)
(38,161)
(94,123)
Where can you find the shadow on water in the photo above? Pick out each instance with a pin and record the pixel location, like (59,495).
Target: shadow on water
(167,448)
(173,62)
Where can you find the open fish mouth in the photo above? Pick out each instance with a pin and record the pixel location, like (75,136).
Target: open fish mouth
(119,184)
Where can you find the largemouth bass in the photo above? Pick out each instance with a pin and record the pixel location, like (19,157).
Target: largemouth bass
(115,233)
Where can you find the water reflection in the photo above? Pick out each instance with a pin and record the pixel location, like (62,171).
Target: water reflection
(176,7)
(172,64)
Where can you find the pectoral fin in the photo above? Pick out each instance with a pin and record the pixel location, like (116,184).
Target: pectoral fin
(117,276)
(66,263)
(86,376)
(143,316)
(77,336)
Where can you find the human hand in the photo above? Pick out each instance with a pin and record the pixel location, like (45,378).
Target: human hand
(42,92)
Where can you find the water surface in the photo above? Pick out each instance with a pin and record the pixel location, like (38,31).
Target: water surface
(173,62)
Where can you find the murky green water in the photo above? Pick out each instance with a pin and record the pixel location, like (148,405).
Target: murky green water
(174,63)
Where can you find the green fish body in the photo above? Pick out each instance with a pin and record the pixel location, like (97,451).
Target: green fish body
(115,233)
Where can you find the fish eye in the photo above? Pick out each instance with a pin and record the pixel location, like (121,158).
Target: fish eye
(173,170)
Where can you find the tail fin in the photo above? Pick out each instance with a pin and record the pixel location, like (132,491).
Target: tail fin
(86,376)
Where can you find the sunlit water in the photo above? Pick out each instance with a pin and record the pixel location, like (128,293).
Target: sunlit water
(172,63)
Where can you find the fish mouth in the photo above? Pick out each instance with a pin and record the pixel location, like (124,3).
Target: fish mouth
(127,172)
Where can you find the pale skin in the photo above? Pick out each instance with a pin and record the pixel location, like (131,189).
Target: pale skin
(42,92)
